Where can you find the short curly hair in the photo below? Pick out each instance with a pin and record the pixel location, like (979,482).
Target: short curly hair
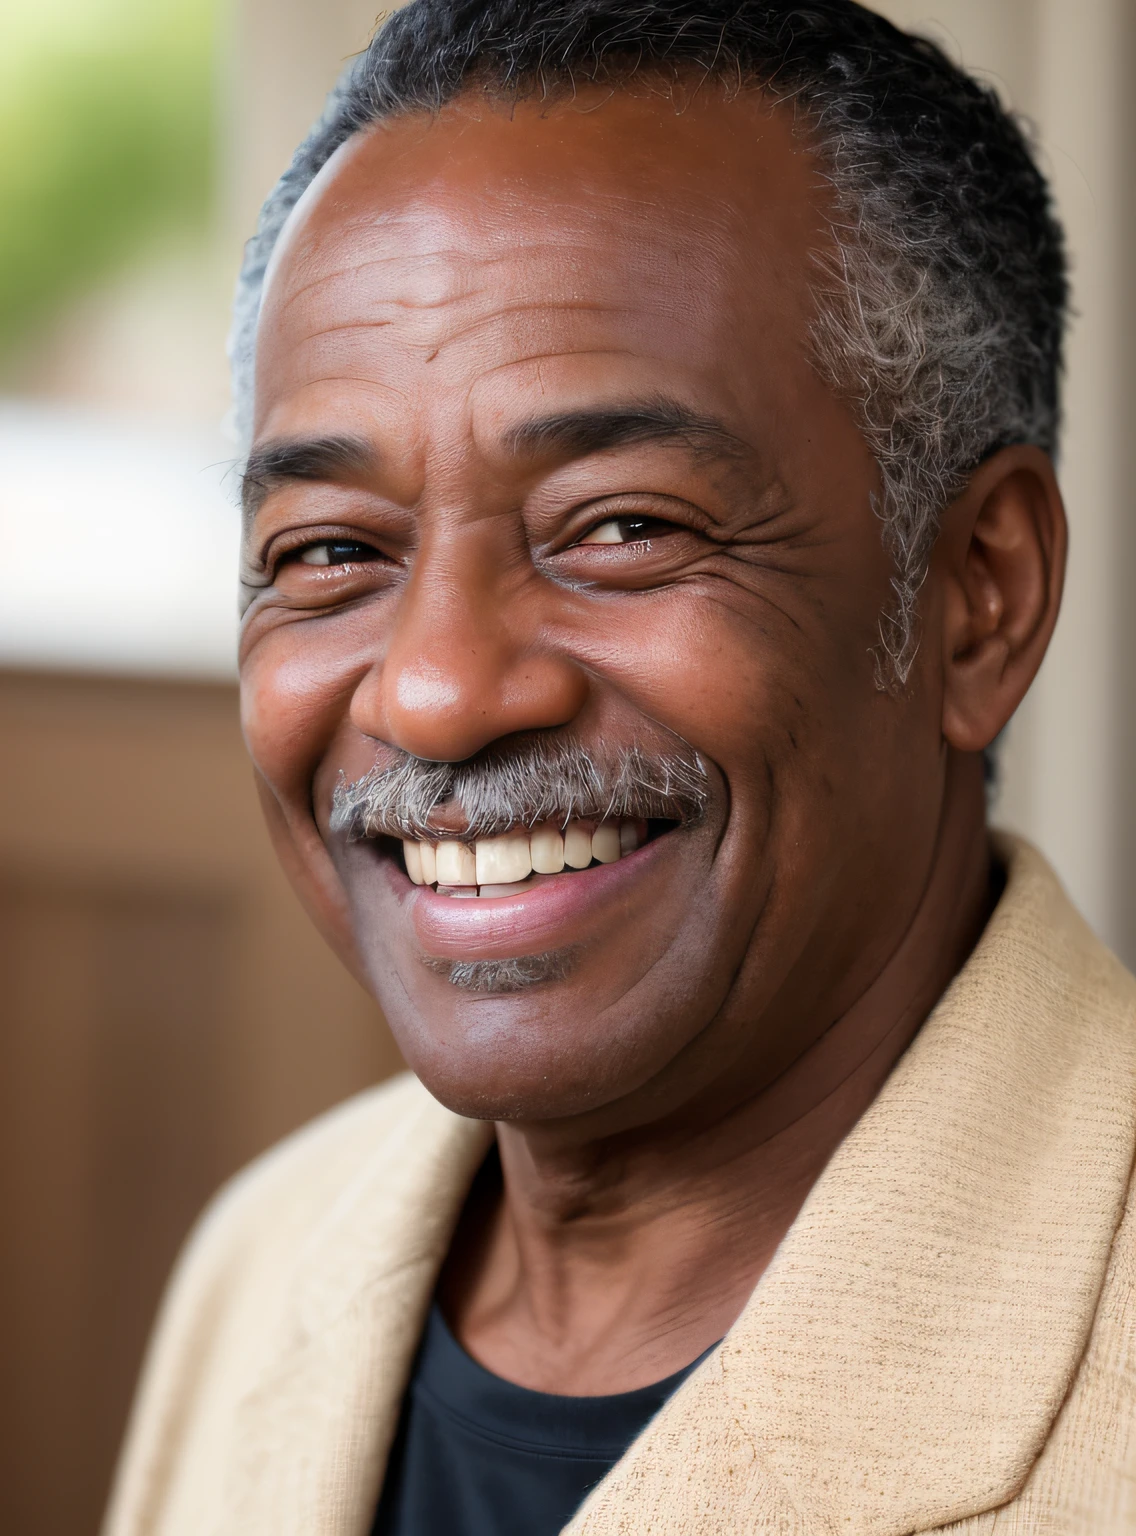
(941,315)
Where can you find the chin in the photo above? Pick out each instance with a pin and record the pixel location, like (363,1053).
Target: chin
(508,1040)
(487,1090)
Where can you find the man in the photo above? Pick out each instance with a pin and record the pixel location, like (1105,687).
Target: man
(650,524)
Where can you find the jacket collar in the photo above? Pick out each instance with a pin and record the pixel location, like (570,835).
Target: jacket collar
(312,1438)
(902,1359)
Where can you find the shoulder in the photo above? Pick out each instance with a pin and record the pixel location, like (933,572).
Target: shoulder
(249,1235)
(282,1191)
(233,1286)
(1084,1481)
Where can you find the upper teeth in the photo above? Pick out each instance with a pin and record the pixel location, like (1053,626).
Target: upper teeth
(505,860)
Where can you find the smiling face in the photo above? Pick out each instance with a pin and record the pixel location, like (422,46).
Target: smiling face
(543,475)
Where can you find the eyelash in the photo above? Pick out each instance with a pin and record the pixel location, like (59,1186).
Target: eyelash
(341,552)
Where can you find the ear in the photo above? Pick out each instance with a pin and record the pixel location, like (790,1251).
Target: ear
(1001,566)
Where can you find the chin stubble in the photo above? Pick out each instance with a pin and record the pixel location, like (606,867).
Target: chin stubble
(502,976)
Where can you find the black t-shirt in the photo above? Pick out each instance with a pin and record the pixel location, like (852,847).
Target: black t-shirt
(478,1456)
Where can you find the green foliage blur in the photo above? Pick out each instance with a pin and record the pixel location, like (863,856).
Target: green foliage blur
(106,139)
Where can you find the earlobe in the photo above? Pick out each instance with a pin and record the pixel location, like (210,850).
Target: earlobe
(1001,559)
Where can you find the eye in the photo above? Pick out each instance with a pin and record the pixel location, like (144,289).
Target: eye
(627,530)
(336,552)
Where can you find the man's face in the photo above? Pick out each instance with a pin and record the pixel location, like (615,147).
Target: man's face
(541,458)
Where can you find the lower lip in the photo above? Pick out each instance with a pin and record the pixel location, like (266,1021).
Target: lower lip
(549,915)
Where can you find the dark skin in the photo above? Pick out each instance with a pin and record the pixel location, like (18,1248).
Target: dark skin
(739,996)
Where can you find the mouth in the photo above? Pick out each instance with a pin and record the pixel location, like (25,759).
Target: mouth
(519,865)
(509,865)
(529,891)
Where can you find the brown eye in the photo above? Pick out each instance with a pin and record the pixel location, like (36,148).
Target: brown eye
(336,552)
(627,530)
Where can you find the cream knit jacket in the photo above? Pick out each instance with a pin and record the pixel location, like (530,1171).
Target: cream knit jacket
(945,1340)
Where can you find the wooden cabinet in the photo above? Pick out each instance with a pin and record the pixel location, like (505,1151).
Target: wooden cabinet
(166,1011)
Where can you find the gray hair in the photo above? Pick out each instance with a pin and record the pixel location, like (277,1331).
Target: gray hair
(522,782)
(940,318)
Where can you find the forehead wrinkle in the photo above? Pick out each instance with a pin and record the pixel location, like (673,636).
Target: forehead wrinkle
(476,386)
(556,357)
(458,259)
(353,381)
(538,289)
(368,385)
(437,329)
(501,314)
(477,285)
(470,273)
(354,269)
(513,326)
(498,312)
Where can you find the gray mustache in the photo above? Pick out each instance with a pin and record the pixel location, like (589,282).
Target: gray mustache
(535,781)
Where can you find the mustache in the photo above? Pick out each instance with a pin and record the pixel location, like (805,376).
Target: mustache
(529,782)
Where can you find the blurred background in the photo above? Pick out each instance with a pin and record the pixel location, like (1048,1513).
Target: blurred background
(165,1009)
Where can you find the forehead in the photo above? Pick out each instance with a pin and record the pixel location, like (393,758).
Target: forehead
(449,262)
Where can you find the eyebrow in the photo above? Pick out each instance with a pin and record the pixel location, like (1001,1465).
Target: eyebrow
(572,434)
(283,460)
(566,435)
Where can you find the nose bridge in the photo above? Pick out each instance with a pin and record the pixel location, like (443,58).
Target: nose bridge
(466,661)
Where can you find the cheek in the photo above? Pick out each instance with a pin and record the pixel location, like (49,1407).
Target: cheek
(750,683)
(781,703)
(292,703)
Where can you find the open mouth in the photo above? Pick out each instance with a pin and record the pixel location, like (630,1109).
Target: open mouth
(515,861)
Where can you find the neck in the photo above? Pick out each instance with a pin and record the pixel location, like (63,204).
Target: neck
(599,1266)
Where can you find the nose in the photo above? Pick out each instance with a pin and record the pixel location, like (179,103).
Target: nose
(466,663)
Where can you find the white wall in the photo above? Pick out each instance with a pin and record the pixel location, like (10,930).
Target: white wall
(286,56)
